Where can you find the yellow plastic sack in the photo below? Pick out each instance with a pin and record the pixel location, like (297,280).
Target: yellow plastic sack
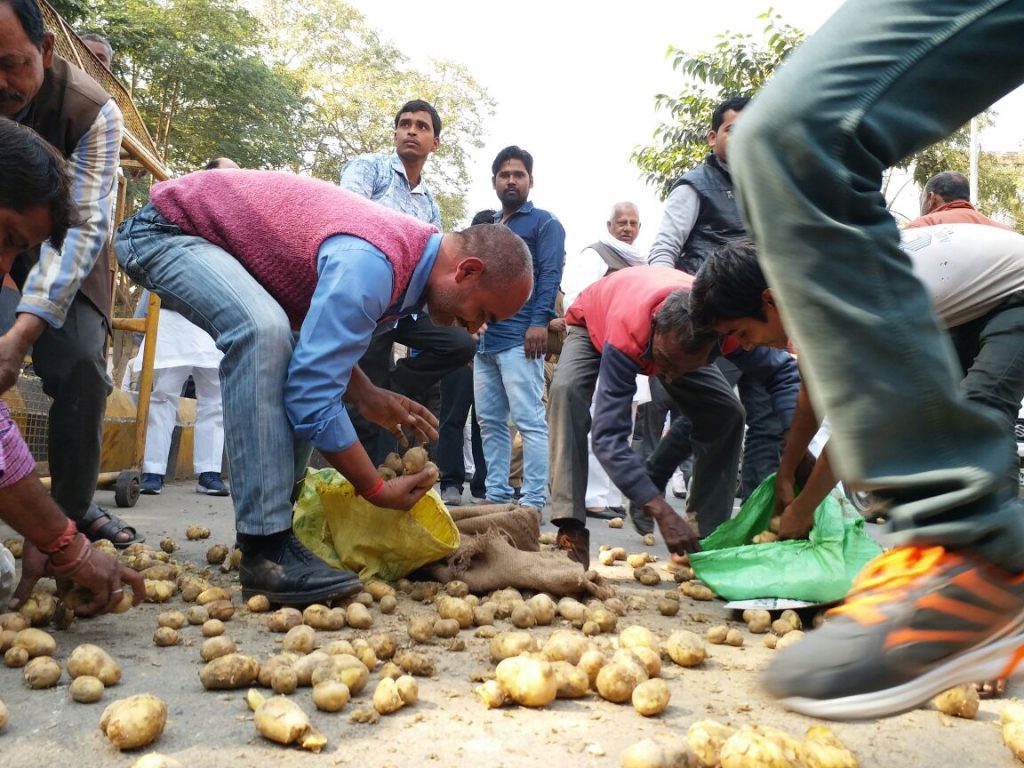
(346,531)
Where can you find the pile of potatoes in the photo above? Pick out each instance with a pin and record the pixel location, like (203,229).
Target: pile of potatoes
(710,743)
(414,461)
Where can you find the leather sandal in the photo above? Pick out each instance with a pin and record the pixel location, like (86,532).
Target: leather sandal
(99,523)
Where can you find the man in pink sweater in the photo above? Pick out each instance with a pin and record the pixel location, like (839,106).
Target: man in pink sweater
(292,277)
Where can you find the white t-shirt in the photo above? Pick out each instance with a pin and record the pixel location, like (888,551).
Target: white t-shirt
(968,269)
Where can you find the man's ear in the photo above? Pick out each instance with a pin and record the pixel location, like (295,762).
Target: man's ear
(712,135)
(767,298)
(437,143)
(47,49)
(469,267)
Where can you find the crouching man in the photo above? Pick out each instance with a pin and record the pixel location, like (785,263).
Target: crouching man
(637,321)
(36,207)
(253,257)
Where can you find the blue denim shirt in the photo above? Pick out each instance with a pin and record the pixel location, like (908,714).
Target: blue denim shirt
(352,297)
(382,178)
(545,237)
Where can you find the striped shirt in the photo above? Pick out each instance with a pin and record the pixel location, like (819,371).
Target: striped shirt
(52,283)
(382,178)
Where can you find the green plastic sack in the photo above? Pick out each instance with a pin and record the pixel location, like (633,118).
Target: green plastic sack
(819,569)
(346,531)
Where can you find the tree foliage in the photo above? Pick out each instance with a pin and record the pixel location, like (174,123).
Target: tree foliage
(283,84)
(739,64)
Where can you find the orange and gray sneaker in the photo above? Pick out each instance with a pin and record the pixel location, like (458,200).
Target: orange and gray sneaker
(918,621)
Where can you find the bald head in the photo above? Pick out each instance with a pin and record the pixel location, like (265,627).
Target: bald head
(221,163)
(624,224)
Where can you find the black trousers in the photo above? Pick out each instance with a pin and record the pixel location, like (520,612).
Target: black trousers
(438,350)
(456,405)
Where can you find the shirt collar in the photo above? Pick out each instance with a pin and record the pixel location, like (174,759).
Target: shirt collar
(398,167)
(524,208)
(414,300)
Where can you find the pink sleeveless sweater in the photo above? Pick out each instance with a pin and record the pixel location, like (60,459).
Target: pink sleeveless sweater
(274,224)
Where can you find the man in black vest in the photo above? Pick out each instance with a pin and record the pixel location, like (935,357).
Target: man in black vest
(700,215)
(64,313)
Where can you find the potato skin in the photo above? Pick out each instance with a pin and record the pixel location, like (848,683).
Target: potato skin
(651,697)
(134,722)
(231,671)
(42,672)
(331,696)
(36,642)
(86,689)
(528,681)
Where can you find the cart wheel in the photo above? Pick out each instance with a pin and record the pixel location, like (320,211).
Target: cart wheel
(126,489)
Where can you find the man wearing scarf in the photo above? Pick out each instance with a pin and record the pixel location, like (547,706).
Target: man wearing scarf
(613,251)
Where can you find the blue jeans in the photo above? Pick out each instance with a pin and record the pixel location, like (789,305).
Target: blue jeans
(881,80)
(211,289)
(507,384)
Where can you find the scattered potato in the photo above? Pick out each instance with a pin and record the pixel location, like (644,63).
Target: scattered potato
(572,681)
(358,616)
(300,639)
(605,557)
(408,689)
(159,591)
(793,618)
(383,646)
(605,619)
(39,608)
(212,595)
(564,645)
(705,739)
(15,547)
(15,658)
(86,689)
(231,671)
(758,622)
(3,716)
(658,752)
(216,554)
(331,696)
(215,647)
(822,749)
(212,628)
(221,610)
(651,697)
(415,663)
(571,609)
(1012,721)
(638,560)
(196,532)
(765,537)
(134,722)
(491,694)
(306,665)
(284,619)
(962,701)
(385,697)
(591,662)
(36,642)
(791,638)
(172,619)
(446,628)
(754,746)
(650,658)
(527,680)
(284,680)
(685,648)
(505,645)
(168,545)
(15,622)
(258,604)
(42,672)
(165,636)
(615,522)
(647,576)
(197,615)
(734,638)
(649,539)
(420,629)
(637,637)
(281,720)
(667,607)
(771,641)
(543,608)
(522,617)
(616,681)
(456,608)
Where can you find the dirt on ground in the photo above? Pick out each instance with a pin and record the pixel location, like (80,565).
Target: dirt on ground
(448,726)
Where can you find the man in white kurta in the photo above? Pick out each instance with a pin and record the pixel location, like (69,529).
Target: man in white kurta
(613,251)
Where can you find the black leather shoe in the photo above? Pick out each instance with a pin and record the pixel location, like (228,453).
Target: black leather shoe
(288,573)
(604,513)
(575,542)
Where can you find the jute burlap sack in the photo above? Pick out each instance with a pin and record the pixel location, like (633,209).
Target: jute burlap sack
(500,548)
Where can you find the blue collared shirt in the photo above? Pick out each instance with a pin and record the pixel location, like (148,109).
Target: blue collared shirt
(351,302)
(545,237)
(382,178)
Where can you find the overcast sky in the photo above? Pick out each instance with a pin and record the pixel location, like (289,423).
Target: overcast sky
(575,85)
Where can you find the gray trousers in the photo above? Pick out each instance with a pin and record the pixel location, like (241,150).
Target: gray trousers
(703,396)
(72,363)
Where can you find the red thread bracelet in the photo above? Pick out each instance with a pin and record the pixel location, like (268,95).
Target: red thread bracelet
(374,489)
(61,541)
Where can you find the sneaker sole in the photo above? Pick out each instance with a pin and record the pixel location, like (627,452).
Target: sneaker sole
(210,492)
(986,663)
(148,492)
(344,589)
